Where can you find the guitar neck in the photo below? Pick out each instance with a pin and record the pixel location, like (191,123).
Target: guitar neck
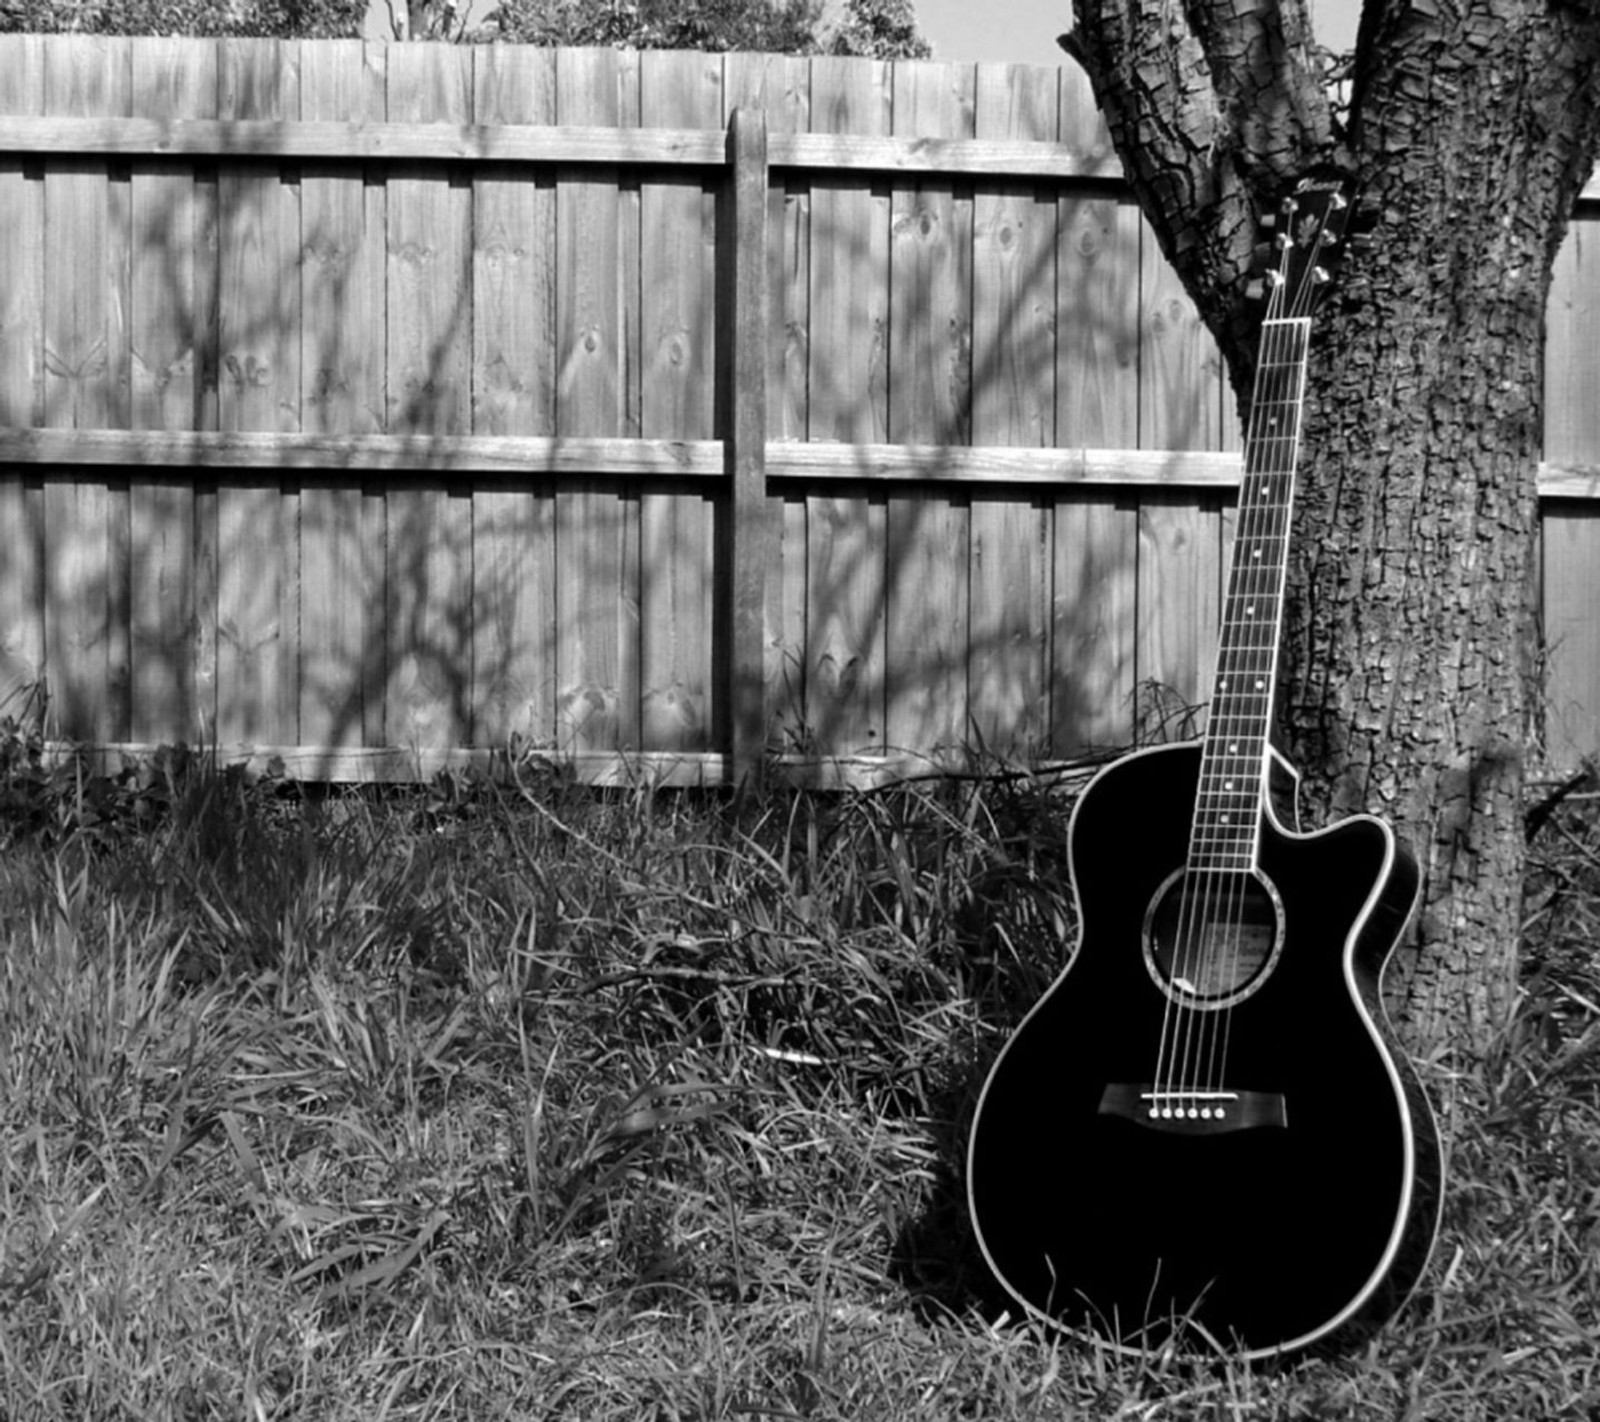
(1233,766)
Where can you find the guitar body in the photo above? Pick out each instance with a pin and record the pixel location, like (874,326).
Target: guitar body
(1307,1212)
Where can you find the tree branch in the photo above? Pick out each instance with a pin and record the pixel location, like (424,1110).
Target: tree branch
(1215,109)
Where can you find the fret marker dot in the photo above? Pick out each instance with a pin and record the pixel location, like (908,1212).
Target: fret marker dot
(1260,685)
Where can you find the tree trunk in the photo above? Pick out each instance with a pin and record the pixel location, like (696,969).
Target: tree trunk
(1410,641)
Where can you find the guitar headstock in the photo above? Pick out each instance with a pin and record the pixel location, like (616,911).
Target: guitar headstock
(1308,244)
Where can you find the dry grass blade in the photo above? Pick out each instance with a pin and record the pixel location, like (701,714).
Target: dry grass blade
(610,1105)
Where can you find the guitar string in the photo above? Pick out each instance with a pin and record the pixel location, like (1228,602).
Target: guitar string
(1225,883)
(1258,520)
(1276,515)
(1255,523)
(1205,916)
(1196,958)
(1176,1053)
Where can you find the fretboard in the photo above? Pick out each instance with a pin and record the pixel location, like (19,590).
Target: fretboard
(1233,763)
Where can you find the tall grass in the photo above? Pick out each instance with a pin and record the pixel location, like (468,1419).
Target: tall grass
(523,1100)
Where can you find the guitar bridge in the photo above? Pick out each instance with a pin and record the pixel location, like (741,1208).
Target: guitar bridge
(1193,1113)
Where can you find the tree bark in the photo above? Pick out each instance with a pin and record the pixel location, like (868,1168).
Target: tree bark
(1410,642)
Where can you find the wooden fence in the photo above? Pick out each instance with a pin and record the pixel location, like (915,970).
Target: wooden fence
(379,406)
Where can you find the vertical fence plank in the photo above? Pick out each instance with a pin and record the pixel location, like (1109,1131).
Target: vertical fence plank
(429,561)
(597,702)
(21,380)
(343,282)
(513,317)
(1097,324)
(258,318)
(81,80)
(678,226)
(260,240)
(342,250)
(749,516)
(430,218)
(207,200)
(630,289)
(169,77)
(849,295)
(1571,531)
(1571,556)
(930,380)
(1097,290)
(22,219)
(1094,607)
(514,341)
(1179,399)
(1178,593)
(1179,570)
(1013,403)
(848,400)
(1014,297)
(85,640)
(780,86)
(930,299)
(1572,334)
(1092,622)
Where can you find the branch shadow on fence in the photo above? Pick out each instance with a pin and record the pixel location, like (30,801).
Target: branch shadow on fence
(339,609)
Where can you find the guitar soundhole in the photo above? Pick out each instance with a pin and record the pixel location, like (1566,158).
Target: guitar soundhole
(1211,938)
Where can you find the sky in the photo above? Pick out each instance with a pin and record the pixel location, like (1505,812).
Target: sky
(1024,31)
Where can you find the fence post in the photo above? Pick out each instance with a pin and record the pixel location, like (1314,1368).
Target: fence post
(748,542)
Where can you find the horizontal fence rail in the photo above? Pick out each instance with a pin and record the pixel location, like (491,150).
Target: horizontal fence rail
(507,143)
(378,409)
(629,459)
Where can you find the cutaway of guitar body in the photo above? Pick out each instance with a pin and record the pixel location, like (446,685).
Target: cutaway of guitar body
(1294,1201)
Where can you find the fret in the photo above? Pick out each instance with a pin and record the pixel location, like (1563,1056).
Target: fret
(1228,810)
(1216,856)
(1230,857)
(1244,769)
(1225,864)
(1236,831)
(1235,819)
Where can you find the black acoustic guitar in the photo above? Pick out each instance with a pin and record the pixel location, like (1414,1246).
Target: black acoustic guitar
(1203,1136)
